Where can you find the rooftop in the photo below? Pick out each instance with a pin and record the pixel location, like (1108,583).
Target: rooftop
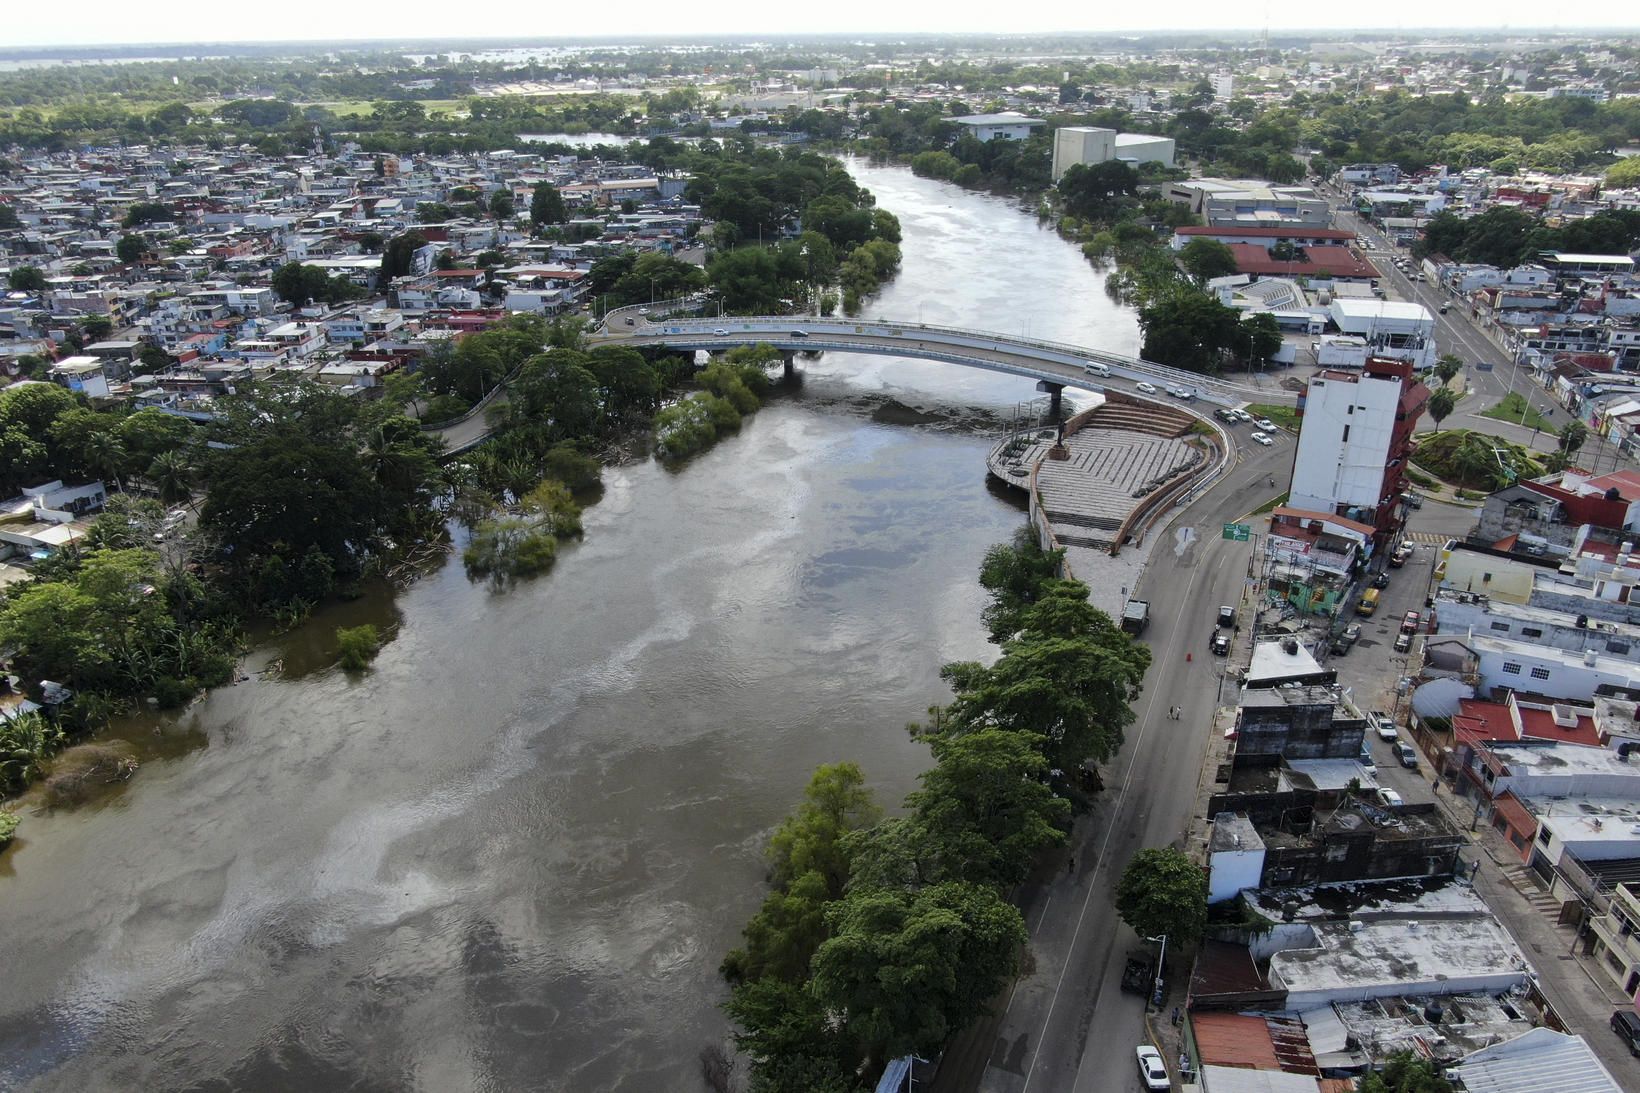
(1539,1061)
(1568,759)
(1393,955)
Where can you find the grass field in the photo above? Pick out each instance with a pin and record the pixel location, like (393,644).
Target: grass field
(1284,416)
(1510,409)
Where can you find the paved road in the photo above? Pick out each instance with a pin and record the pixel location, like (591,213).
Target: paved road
(1068,1026)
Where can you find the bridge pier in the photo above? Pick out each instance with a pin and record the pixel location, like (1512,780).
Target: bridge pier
(1054,391)
(788,365)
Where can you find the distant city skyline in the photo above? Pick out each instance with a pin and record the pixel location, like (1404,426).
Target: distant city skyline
(103,22)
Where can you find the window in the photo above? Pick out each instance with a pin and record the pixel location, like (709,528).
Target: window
(1531,632)
(1621,648)
(1516,840)
(1346,434)
(1501,626)
(1540,673)
(1543,836)
(1511,669)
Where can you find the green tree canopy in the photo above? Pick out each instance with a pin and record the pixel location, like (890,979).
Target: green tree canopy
(1205,259)
(1163,892)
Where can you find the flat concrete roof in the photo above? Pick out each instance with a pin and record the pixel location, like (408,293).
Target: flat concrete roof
(1398,955)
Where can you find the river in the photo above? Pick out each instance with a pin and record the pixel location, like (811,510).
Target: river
(512,855)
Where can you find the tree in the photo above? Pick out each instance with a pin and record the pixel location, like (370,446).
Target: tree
(1095,192)
(501,205)
(146,212)
(26,279)
(546,205)
(1015,574)
(987,806)
(1404,1073)
(172,474)
(1441,404)
(904,970)
(8,217)
(1624,173)
(809,867)
(1188,329)
(1205,259)
(1571,437)
(1068,676)
(1447,366)
(1262,336)
(357,646)
(131,249)
(1163,892)
(151,358)
(397,257)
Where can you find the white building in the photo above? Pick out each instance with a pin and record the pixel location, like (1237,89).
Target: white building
(1353,442)
(1008,125)
(1400,331)
(1356,960)
(1090,144)
(1552,673)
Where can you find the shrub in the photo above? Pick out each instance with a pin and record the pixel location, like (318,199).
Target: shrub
(508,548)
(8,825)
(359,646)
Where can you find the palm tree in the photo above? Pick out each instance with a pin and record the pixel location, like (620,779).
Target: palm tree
(173,476)
(106,454)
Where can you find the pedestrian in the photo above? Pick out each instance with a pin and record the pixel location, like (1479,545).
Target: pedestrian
(1175,1015)
(1435,786)
(1070,866)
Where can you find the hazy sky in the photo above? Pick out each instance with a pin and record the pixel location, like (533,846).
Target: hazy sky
(129,21)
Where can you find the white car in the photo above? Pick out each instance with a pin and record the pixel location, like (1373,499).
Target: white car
(1145,388)
(1152,1071)
(1266,424)
(1261,438)
(720,332)
(1242,415)
(1383,726)
(1390,799)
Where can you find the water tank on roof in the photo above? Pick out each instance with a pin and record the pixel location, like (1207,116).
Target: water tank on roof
(1433,1013)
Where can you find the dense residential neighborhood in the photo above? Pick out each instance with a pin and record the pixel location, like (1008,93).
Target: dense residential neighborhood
(405,607)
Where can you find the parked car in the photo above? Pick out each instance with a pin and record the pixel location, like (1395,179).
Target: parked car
(1227,615)
(1344,642)
(1627,1026)
(1145,388)
(1267,425)
(1390,799)
(1381,580)
(1219,643)
(1409,622)
(1405,755)
(1403,642)
(1382,725)
(1262,438)
(1365,762)
(1152,1071)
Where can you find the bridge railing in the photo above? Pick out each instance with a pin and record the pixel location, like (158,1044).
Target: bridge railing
(1146,368)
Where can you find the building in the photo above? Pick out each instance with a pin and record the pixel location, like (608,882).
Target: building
(1392,330)
(1539,1061)
(1296,722)
(1005,126)
(1355,434)
(1089,145)
(1617,940)
(1250,203)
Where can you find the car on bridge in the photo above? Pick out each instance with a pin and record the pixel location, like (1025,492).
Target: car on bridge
(721,332)
(1145,388)
(1094,368)
(1262,438)
(800,333)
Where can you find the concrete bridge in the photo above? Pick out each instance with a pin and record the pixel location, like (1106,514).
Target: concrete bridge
(1053,365)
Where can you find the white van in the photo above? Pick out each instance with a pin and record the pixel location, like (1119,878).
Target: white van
(1094,368)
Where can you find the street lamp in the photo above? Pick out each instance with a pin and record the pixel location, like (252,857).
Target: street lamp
(1156,992)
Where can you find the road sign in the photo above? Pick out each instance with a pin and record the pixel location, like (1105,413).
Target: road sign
(1238,532)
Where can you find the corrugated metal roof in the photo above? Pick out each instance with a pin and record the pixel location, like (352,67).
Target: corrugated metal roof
(1231,1079)
(1540,1061)
(1234,1039)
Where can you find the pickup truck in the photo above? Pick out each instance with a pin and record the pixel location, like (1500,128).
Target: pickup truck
(1136,616)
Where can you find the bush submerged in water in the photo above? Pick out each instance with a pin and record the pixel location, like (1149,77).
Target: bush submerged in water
(359,646)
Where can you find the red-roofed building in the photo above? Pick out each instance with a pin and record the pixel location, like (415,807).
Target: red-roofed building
(1315,263)
(1265,237)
